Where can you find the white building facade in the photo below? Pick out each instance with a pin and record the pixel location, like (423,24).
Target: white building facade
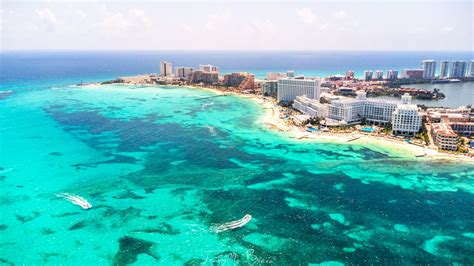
(379,111)
(289,89)
(406,120)
(348,111)
(470,69)
(404,117)
(208,68)
(311,107)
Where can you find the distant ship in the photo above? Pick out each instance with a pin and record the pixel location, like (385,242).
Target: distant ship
(232,225)
(74,199)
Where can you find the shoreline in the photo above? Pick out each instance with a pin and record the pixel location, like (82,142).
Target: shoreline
(272,121)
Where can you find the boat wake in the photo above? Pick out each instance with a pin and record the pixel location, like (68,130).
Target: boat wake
(232,225)
(74,199)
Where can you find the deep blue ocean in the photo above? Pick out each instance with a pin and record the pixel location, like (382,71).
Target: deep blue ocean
(23,67)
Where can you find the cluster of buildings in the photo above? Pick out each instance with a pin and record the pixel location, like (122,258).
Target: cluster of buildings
(427,71)
(447,125)
(205,74)
(405,118)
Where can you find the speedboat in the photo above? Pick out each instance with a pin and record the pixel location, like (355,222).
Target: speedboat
(232,225)
(76,200)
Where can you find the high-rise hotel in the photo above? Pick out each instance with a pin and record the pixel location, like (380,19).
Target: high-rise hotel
(470,69)
(290,88)
(444,69)
(166,69)
(458,68)
(429,68)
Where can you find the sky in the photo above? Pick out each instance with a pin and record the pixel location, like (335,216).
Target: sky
(416,25)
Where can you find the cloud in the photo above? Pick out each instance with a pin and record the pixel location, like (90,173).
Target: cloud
(341,14)
(265,26)
(216,19)
(47,20)
(117,22)
(306,15)
(447,29)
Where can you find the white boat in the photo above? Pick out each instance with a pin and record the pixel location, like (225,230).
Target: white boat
(354,138)
(232,225)
(76,200)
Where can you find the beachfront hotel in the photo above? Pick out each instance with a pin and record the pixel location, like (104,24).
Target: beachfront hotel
(311,107)
(404,116)
(377,111)
(166,69)
(208,68)
(406,120)
(444,137)
(290,88)
(183,72)
(270,88)
(348,111)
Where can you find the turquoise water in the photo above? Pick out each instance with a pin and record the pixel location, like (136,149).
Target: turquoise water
(161,165)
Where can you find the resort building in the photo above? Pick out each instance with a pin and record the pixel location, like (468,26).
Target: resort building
(183,72)
(392,74)
(458,68)
(290,74)
(406,120)
(350,74)
(470,69)
(378,111)
(200,76)
(243,81)
(444,69)
(444,137)
(429,68)
(367,74)
(348,111)
(166,69)
(412,74)
(276,76)
(378,74)
(208,68)
(270,88)
(404,117)
(289,88)
(311,107)
(463,128)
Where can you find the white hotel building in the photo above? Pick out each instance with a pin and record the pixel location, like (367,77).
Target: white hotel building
(311,107)
(406,119)
(403,116)
(379,111)
(348,111)
(289,89)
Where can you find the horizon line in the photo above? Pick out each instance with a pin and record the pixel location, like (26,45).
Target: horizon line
(227,50)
